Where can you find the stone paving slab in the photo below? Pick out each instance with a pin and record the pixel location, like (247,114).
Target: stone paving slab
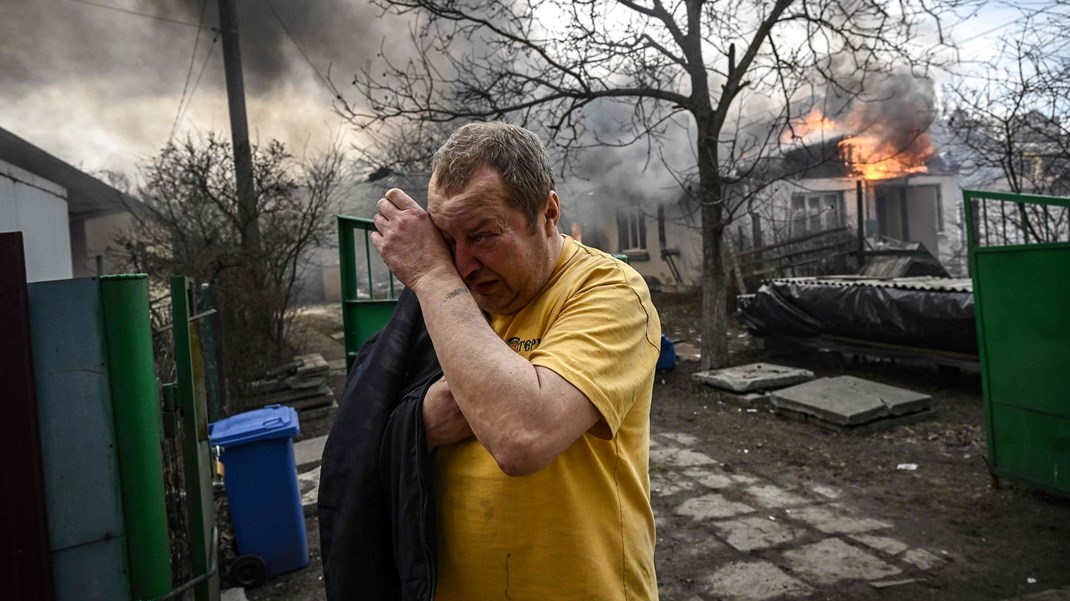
(710,479)
(922,559)
(774,497)
(846,400)
(677,457)
(712,506)
(885,544)
(668,483)
(233,594)
(757,536)
(308,484)
(832,520)
(754,581)
(754,376)
(308,453)
(832,560)
(755,532)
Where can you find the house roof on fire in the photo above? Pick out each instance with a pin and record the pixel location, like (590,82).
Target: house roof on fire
(824,160)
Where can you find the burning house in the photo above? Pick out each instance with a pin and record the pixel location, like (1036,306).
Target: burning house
(869,180)
(886,185)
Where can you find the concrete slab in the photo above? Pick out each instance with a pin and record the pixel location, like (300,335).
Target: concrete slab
(877,425)
(832,560)
(774,497)
(709,479)
(233,594)
(829,492)
(847,400)
(667,483)
(754,376)
(708,549)
(752,400)
(754,581)
(922,559)
(679,457)
(308,453)
(308,483)
(885,544)
(684,439)
(831,520)
(712,507)
(755,532)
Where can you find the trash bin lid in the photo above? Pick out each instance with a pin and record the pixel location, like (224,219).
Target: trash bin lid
(272,421)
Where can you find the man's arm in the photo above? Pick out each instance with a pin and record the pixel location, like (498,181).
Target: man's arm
(525,415)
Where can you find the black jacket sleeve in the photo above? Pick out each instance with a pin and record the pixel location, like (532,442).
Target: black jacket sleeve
(365,477)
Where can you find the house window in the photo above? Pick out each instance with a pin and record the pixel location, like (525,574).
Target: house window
(816,212)
(631,229)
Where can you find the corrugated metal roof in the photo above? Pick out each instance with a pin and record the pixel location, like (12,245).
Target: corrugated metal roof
(915,283)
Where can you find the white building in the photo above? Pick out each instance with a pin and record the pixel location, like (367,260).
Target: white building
(67,217)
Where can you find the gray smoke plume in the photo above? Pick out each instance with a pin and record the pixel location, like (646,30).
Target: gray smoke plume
(90,81)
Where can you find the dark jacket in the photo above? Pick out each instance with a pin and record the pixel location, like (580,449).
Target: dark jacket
(376,517)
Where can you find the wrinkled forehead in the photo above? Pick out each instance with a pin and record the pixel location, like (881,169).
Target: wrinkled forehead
(483,194)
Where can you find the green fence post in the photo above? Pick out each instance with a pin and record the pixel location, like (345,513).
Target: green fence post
(211,359)
(196,456)
(136,412)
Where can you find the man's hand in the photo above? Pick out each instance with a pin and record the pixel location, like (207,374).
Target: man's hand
(444,423)
(410,244)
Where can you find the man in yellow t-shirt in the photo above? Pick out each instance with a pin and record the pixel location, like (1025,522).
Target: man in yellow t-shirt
(541,421)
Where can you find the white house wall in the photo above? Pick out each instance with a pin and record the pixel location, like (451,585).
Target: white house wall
(775,212)
(100,234)
(682,234)
(37,208)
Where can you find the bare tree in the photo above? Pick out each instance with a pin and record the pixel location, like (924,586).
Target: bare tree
(193,228)
(1008,120)
(704,66)
(1008,116)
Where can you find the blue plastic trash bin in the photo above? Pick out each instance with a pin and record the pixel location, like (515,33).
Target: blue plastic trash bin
(667,358)
(261,482)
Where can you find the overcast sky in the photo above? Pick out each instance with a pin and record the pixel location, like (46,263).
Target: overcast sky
(103,88)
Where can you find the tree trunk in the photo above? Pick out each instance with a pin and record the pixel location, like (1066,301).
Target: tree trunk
(714,286)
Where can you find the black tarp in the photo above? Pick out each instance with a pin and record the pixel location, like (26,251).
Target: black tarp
(933,319)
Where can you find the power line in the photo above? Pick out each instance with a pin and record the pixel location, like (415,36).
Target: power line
(197,82)
(326,82)
(189,72)
(139,14)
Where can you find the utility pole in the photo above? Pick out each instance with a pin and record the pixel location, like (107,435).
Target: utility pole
(239,133)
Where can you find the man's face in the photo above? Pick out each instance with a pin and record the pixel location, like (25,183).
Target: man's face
(502,262)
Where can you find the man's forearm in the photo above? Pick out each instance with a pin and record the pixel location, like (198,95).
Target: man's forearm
(500,393)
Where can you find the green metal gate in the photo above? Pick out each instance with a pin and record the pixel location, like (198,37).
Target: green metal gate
(365,310)
(1019,252)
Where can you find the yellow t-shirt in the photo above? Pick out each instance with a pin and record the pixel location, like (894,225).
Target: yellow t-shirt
(581,528)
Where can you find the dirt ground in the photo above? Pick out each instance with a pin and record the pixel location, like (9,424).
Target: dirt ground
(996,540)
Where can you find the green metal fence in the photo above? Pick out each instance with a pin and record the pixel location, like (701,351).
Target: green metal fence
(368,302)
(1019,252)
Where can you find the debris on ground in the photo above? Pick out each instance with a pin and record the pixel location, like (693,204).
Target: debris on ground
(301,384)
(750,385)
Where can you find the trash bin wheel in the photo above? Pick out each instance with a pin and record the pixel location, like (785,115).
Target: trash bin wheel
(248,571)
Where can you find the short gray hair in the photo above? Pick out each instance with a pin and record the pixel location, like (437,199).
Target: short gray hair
(517,154)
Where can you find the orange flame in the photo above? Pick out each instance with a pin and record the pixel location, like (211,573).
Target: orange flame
(810,128)
(879,151)
(873,156)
